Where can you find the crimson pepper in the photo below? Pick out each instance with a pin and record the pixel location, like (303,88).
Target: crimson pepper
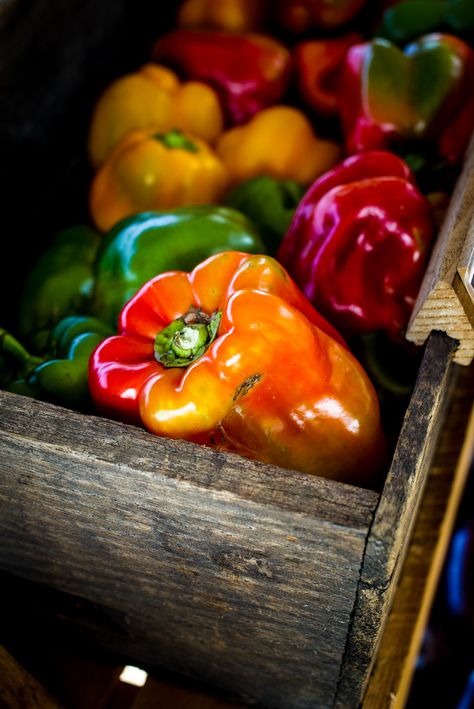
(233,356)
(318,67)
(301,15)
(423,93)
(358,243)
(248,71)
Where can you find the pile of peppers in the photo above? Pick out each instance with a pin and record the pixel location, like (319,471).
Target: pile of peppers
(264,196)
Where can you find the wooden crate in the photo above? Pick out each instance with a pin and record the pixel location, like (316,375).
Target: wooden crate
(265,583)
(273,586)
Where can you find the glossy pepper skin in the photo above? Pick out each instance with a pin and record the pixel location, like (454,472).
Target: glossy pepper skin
(59,284)
(248,71)
(149,170)
(208,356)
(227,15)
(421,93)
(142,246)
(60,376)
(408,20)
(152,97)
(358,243)
(301,15)
(318,68)
(269,204)
(279,142)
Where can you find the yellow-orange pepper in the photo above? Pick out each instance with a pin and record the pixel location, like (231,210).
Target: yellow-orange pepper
(152,98)
(279,142)
(149,170)
(228,15)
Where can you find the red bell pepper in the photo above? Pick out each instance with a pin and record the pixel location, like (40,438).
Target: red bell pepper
(358,242)
(421,93)
(248,71)
(233,356)
(318,67)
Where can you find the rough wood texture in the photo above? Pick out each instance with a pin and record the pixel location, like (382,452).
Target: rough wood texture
(401,642)
(393,522)
(446,298)
(18,689)
(238,573)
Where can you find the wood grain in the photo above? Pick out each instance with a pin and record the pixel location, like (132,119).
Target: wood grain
(237,573)
(446,298)
(394,518)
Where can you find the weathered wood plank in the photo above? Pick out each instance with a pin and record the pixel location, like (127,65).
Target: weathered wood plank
(446,298)
(52,428)
(218,573)
(394,518)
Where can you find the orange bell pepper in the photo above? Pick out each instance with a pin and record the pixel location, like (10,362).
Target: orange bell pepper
(227,15)
(149,170)
(152,98)
(279,142)
(233,356)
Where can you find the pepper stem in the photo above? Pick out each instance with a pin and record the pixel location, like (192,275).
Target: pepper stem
(12,350)
(175,140)
(187,338)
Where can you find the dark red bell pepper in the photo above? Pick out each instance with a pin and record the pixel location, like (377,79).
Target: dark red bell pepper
(248,71)
(318,66)
(358,243)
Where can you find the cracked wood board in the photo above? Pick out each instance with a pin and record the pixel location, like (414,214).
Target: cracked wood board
(446,298)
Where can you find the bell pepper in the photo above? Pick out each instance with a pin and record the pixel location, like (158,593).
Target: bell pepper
(302,15)
(422,93)
(269,204)
(280,142)
(60,284)
(148,244)
(149,170)
(152,98)
(318,67)
(61,376)
(248,71)
(410,19)
(208,356)
(227,15)
(358,243)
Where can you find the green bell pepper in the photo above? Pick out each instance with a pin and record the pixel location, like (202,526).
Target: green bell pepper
(60,284)
(269,203)
(409,20)
(142,246)
(61,376)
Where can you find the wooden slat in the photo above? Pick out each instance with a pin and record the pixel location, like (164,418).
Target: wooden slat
(18,689)
(446,298)
(240,574)
(393,522)
(395,663)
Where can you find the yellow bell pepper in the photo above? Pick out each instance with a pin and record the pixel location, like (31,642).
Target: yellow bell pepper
(149,170)
(279,142)
(152,98)
(227,15)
